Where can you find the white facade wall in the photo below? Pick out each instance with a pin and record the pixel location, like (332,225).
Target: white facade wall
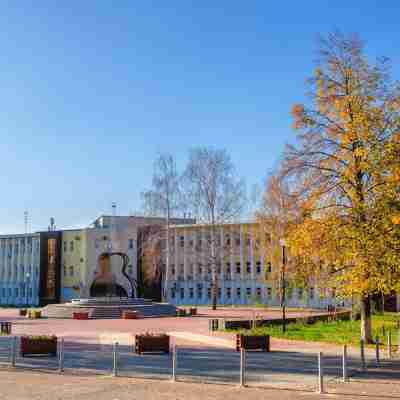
(19,269)
(241,276)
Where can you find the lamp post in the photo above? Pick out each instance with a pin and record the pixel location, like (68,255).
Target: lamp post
(28,275)
(283,284)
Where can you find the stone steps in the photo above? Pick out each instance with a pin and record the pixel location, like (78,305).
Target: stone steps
(109,311)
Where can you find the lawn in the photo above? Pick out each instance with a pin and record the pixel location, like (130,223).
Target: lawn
(340,332)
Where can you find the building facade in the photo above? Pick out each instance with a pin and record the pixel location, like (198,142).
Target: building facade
(93,258)
(30,268)
(245,272)
(19,269)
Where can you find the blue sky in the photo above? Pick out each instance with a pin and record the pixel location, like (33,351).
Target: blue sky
(91,91)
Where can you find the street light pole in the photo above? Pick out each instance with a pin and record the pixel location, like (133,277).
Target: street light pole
(283,285)
(26,287)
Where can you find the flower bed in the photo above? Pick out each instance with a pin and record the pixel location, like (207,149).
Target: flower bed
(80,315)
(35,345)
(148,343)
(181,312)
(34,314)
(250,342)
(131,315)
(193,311)
(22,312)
(5,328)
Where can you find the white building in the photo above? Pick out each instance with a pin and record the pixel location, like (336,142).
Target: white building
(245,270)
(19,269)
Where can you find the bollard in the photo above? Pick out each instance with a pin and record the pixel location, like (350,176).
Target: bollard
(389,344)
(320,374)
(377,350)
(115,359)
(398,340)
(242,367)
(174,364)
(61,356)
(13,350)
(344,358)
(362,353)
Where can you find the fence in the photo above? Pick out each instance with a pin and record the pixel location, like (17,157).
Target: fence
(278,369)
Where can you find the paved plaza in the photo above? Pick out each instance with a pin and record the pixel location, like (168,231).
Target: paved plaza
(202,356)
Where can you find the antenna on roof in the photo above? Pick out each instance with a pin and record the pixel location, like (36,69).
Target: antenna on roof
(52,226)
(26,221)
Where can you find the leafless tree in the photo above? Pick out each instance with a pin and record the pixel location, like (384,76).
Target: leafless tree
(164,199)
(277,212)
(215,195)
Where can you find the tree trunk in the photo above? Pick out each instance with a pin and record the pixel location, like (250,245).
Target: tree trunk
(214,288)
(164,290)
(366,326)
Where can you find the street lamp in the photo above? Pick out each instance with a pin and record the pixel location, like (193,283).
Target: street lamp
(283,284)
(27,276)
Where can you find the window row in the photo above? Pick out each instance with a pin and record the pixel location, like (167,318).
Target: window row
(228,269)
(17,292)
(229,292)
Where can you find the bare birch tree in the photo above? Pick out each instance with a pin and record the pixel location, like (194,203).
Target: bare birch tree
(163,199)
(215,195)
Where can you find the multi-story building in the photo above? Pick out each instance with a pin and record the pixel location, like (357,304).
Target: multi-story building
(29,268)
(245,271)
(110,258)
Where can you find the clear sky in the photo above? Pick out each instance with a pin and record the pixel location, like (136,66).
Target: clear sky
(92,90)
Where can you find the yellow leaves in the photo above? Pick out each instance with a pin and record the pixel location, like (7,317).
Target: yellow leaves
(298,115)
(396,219)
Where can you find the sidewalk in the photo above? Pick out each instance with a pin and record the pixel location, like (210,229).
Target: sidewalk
(21,385)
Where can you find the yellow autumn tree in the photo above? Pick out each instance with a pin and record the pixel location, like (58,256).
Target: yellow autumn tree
(345,166)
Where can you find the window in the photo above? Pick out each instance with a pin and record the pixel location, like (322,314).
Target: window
(311,293)
(248,292)
(209,293)
(65,270)
(65,247)
(269,293)
(258,267)
(191,293)
(22,292)
(300,293)
(173,269)
(237,241)
(228,240)
(219,293)
(228,268)
(269,267)
(172,293)
(182,292)
(200,269)
(130,243)
(228,292)
(182,241)
(4,292)
(238,293)
(71,245)
(71,270)
(238,267)
(258,292)
(199,293)
(16,292)
(248,268)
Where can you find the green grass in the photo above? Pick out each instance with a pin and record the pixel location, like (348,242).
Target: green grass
(339,332)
